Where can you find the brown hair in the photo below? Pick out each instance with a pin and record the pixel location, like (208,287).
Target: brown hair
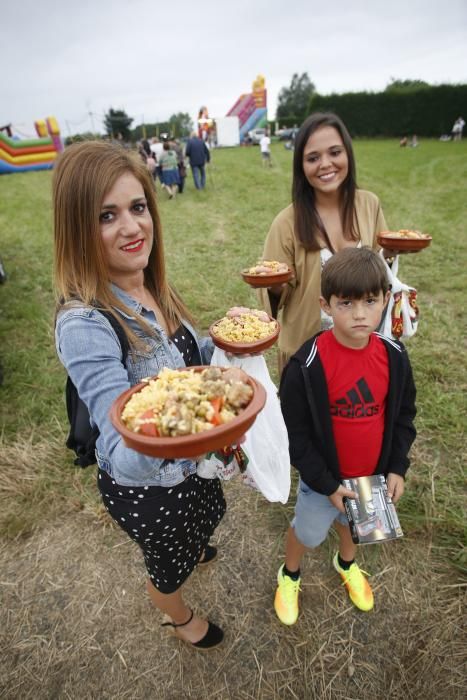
(353,273)
(83,175)
(308,225)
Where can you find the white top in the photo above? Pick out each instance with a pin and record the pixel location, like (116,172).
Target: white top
(264,144)
(157,149)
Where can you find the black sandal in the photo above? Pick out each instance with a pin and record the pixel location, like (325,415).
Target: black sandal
(212,638)
(210,554)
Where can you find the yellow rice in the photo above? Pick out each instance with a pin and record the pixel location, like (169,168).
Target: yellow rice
(246,328)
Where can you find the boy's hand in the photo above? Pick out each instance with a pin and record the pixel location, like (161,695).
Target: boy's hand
(337,496)
(395,484)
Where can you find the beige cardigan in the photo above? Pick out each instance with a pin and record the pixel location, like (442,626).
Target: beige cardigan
(298,308)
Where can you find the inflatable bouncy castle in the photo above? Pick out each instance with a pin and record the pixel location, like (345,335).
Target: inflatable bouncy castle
(19,155)
(251,108)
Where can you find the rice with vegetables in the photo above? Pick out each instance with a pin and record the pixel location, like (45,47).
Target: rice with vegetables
(267,267)
(185,402)
(243,325)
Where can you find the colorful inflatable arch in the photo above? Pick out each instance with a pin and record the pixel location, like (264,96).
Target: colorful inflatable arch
(251,108)
(20,155)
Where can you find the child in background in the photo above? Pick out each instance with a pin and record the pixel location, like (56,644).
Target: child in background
(151,165)
(265,146)
(348,400)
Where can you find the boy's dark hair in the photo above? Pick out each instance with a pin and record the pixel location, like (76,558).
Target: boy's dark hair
(354,273)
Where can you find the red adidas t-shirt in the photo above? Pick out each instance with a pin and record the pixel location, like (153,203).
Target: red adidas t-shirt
(357,388)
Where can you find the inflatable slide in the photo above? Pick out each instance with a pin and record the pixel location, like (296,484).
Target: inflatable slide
(251,108)
(20,155)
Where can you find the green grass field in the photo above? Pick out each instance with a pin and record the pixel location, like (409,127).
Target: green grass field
(57,543)
(209,237)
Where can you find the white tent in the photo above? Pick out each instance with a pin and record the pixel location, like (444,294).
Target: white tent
(227,131)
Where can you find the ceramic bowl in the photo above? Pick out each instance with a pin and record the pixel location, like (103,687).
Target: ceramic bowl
(390,240)
(245,348)
(267,280)
(189,445)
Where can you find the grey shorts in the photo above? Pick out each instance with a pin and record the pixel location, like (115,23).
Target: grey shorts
(314,515)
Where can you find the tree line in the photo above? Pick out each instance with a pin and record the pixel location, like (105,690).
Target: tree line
(404,107)
(118,125)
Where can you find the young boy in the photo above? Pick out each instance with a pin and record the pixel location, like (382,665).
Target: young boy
(265,147)
(348,400)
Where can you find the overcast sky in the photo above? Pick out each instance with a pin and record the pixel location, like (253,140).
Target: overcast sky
(75,59)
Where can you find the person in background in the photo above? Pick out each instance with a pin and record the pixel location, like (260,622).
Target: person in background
(157,150)
(109,256)
(328,213)
(457,129)
(170,178)
(348,400)
(151,165)
(146,146)
(265,147)
(198,154)
(178,148)
(142,152)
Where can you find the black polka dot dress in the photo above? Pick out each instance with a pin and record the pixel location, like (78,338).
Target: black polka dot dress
(171,525)
(185,344)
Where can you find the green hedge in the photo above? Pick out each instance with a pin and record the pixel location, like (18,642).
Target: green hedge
(429,111)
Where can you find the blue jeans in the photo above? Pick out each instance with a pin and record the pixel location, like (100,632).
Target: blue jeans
(199,176)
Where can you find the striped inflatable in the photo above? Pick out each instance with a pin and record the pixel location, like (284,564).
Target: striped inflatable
(20,155)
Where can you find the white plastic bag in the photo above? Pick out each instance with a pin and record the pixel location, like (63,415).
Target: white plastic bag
(266,445)
(401,316)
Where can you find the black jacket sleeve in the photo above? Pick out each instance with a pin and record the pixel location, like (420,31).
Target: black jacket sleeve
(303,444)
(404,431)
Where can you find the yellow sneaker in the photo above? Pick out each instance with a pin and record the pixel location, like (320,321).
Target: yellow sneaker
(358,588)
(286,598)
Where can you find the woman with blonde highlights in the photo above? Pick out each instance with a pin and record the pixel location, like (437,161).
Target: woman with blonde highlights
(109,262)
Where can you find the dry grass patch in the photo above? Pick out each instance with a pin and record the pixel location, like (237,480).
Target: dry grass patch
(76,622)
(38,484)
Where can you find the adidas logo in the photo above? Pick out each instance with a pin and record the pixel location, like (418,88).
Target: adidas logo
(357,403)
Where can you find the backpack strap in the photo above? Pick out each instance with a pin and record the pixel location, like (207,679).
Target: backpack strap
(82,437)
(120,333)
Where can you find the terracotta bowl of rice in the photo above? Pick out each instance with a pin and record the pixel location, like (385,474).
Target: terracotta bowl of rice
(188,412)
(243,331)
(404,240)
(267,273)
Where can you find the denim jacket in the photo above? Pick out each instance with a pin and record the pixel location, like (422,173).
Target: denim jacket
(90,351)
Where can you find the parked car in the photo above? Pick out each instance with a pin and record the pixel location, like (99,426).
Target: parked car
(287,134)
(256,135)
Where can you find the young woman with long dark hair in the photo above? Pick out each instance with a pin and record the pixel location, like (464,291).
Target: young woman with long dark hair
(328,213)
